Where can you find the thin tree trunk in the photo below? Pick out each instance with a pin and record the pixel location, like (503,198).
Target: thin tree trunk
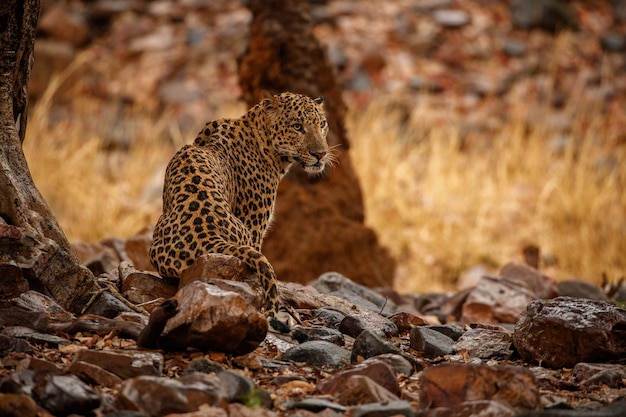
(29,234)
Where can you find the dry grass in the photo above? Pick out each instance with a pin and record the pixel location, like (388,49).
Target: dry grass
(442,208)
(439,206)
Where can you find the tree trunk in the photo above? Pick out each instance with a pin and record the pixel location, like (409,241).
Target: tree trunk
(29,234)
(319,221)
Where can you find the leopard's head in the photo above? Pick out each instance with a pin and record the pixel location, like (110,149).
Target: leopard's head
(299,128)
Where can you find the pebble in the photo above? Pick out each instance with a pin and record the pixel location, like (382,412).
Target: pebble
(241,389)
(486,344)
(64,394)
(318,353)
(430,343)
(369,344)
(359,389)
(376,370)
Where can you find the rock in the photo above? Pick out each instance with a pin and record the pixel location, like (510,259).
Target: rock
(581,289)
(341,286)
(527,276)
(598,374)
(217,266)
(319,333)
(386,409)
(453,331)
(124,364)
(107,305)
(209,318)
(615,409)
(485,344)
(353,325)
(318,353)
(564,331)
(332,318)
(64,394)
(33,336)
(482,408)
(376,370)
(398,363)
(240,389)
(160,396)
(369,344)
(315,405)
(405,321)
(496,300)
(550,15)
(13,282)
(137,248)
(140,287)
(94,374)
(32,309)
(203,365)
(17,405)
(452,384)
(430,343)
(359,389)
(451,18)
(97,257)
(13,344)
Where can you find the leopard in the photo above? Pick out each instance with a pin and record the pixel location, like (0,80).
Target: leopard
(219,192)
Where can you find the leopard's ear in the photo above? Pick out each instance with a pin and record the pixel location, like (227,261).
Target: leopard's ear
(319,100)
(270,102)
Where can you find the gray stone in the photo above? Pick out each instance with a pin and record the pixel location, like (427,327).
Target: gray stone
(580,289)
(353,325)
(369,344)
(391,408)
(318,353)
(485,344)
(64,394)
(332,318)
(303,334)
(430,343)
(453,331)
(240,389)
(399,363)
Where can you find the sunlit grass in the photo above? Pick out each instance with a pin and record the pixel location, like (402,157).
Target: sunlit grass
(439,204)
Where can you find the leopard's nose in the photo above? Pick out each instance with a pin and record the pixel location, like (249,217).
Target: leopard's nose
(318,155)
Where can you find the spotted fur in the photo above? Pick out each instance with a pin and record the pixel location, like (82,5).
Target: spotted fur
(219,192)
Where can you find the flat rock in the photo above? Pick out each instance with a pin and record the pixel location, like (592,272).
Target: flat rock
(32,309)
(369,344)
(430,343)
(318,353)
(542,285)
(581,289)
(353,325)
(64,394)
(598,374)
(219,267)
(359,389)
(319,333)
(376,370)
(123,364)
(94,374)
(339,285)
(33,336)
(564,331)
(482,408)
(449,385)
(140,287)
(486,343)
(209,318)
(496,300)
(399,363)
(160,396)
(405,321)
(386,409)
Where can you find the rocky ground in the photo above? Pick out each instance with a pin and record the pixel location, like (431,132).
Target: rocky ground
(514,344)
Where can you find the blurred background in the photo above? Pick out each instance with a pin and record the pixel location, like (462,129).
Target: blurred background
(482,131)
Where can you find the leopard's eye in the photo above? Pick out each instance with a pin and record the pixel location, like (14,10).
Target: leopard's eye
(298,127)
(323,124)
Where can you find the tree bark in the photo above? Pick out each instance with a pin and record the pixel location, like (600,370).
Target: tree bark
(29,234)
(319,221)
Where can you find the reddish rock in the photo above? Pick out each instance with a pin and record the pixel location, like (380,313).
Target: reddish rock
(377,371)
(17,405)
(137,247)
(125,364)
(141,287)
(209,318)
(542,285)
(486,343)
(599,374)
(496,300)
(359,389)
(13,282)
(451,384)
(94,374)
(564,331)
(405,321)
(217,266)
(161,396)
